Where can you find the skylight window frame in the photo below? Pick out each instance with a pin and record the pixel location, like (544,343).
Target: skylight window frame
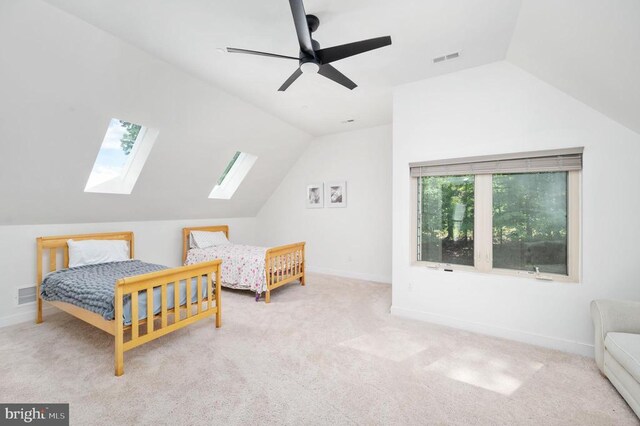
(233,176)
(124,183)
(134,152)
(227,169)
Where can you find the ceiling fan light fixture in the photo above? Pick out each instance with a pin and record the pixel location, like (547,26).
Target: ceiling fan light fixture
(310,68)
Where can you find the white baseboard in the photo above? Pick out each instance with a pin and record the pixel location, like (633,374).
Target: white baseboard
(350,274)
(520,336)
(28,316)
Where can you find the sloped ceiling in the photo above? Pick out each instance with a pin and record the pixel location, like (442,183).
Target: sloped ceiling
(68,66)
(62,80)
(187,33)
(589,49)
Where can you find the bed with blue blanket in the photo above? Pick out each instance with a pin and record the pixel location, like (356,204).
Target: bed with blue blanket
(91,287)
(100,283)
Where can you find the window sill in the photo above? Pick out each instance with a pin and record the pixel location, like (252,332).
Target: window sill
(542,277)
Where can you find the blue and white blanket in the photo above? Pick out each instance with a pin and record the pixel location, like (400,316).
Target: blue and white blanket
(92,287)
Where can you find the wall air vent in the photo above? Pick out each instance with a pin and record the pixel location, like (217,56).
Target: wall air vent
(447,57)
(26,295)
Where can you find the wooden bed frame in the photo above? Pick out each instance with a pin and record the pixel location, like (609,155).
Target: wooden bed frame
(276,259)
(160,325)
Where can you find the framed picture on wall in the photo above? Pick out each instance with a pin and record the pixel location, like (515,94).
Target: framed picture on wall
(315,196)
(336,194)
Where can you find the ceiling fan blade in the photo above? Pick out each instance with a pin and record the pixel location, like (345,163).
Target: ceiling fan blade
(333,74)
(290,80)
(255,52)
(331,54)
(302,28)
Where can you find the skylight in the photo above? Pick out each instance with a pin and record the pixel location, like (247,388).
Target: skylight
(233,175)
(122,155)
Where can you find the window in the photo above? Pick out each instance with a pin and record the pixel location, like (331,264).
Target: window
(530,222)
(446,215)
(122,155)
(515,214)
(233,175)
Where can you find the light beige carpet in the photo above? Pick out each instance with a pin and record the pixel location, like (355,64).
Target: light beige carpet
(327,353)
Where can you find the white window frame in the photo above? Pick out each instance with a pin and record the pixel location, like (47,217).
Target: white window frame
(483,233)
(239,170)
(123,183)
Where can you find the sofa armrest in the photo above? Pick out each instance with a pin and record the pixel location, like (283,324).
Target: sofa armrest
(621,316)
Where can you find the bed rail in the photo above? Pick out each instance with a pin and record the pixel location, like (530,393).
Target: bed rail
(168,320)
(283,265)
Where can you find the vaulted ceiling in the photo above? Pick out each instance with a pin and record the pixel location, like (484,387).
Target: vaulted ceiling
(589,49)
(188,33)
(67,67)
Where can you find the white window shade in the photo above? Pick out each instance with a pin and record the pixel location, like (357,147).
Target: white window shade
(525,162)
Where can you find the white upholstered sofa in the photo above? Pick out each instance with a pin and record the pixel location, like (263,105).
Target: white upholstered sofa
(617,346)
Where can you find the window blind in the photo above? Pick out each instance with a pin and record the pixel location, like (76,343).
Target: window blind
(559,160)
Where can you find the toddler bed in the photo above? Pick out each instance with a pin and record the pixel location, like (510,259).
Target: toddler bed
(126,298)
(258,269)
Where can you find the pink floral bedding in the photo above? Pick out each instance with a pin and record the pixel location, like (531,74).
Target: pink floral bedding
(243,267)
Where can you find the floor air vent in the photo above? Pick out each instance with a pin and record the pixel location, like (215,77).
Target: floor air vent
(26,295)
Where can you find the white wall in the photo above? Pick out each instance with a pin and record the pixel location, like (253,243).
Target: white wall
(155,242)
(354,241)
(499,108)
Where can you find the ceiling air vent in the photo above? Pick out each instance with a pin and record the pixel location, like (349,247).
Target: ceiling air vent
(448,57)
(26,295)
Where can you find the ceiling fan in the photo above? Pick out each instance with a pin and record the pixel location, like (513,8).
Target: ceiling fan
(312,58)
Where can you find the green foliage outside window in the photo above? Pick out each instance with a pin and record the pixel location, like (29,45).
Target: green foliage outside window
(129,138)
(228,168)
(530,221)
(448,219)
(528,216)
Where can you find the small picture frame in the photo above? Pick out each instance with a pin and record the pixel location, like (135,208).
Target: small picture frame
(336,194)
(315,196)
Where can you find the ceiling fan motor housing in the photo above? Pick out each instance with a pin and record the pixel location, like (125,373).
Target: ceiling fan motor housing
(313,22)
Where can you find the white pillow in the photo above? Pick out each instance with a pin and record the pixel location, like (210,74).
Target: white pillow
(203,239)
(90,252)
